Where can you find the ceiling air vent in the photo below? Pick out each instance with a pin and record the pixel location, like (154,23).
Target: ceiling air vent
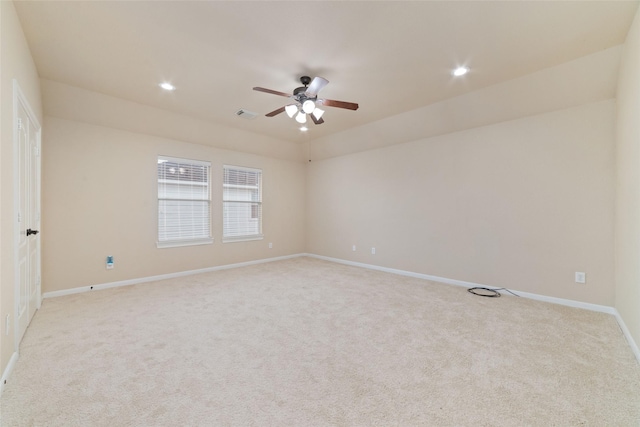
(246,114)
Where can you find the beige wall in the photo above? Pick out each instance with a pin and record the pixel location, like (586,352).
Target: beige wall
(628,184)
(521,204)
(16,63)
(70,102)
(578,82)
(99,199)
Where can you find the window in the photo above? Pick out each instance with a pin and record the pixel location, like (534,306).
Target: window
(242,204)
(184,202)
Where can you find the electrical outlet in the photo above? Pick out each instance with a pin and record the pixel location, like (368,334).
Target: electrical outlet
(110,262)
(353,248)
(581,277)
(7,325)
(373,251)
(270,245)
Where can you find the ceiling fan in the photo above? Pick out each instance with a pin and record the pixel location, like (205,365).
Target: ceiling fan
(306,101)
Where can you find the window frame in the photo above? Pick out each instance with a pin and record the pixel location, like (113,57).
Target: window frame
(246,237)
(178,242)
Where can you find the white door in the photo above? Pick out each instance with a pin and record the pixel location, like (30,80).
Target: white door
(28,216)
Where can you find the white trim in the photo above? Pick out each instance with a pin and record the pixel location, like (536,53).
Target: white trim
(7,371)
(400,272)
(205,163)
(17,215)
(27,107)
(163,276)
(180,243)
(627,335)
(243,238)
(553,300)
(569,302)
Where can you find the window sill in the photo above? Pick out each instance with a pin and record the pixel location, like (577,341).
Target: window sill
(242,238)
(179,243)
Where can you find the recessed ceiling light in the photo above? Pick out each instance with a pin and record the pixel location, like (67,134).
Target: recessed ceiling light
(167,86)
(460,71)
(304,128)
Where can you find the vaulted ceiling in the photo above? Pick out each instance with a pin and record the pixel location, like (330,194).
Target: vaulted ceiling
(390,57)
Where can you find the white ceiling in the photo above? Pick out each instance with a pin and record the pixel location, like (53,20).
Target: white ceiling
(390,57)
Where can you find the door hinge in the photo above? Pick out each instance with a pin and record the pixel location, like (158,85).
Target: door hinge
(19,124)
(19,217)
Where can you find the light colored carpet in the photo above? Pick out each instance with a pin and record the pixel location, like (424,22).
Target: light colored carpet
(304,342)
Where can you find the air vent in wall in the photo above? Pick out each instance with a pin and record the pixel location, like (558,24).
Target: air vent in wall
(246,114)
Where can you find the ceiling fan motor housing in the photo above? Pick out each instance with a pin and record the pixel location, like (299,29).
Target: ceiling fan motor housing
(300,96)
(299,92)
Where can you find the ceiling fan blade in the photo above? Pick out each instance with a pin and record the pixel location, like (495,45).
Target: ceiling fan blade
(275,112)
(338,104)
(316,86)
(316,121)
(273,92)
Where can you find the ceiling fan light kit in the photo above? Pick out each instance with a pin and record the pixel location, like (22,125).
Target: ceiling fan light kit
(291,110)
(317,113)
(308,106)
(306,98)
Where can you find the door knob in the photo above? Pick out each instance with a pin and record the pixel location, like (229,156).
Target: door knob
(30,232)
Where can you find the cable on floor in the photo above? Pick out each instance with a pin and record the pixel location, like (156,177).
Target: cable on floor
(487,292)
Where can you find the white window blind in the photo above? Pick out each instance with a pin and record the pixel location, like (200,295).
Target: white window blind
(242,203)
(184,202)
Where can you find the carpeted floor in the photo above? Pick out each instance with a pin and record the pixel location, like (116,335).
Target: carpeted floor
(304,342)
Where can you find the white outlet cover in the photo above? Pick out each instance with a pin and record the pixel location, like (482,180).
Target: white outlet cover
(581,277)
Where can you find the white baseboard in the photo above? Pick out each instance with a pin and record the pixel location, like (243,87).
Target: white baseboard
(627,334)
(7,372)
(554,300)
(81,289)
